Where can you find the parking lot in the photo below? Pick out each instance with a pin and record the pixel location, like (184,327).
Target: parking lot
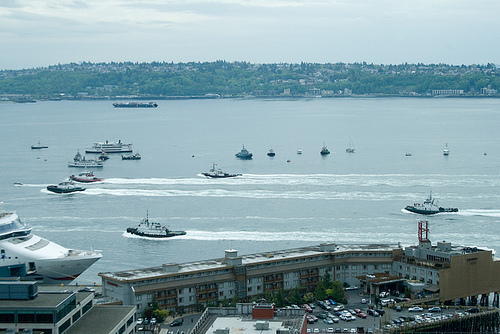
(356,316)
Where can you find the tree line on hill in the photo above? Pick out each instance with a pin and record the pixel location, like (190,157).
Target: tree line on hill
(237,79)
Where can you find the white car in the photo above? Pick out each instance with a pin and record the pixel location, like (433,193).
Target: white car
(415,309)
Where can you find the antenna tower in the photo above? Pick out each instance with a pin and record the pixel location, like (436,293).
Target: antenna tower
(423,231)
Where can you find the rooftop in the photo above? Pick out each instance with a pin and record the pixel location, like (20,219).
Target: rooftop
(214,264)
(101,319)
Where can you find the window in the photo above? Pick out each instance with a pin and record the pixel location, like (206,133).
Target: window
(139,306)
(354,267)
(221,285)
(138,297)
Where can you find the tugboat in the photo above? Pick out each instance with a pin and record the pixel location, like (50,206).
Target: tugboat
(85,177)
(136,156)
(429,207)
(324,150)
(103,156)
(271,153)
(65,187)
(244,154)
(217,173)
(153,230)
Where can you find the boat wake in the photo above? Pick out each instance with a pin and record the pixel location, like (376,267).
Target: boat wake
(465,213)
(133,236)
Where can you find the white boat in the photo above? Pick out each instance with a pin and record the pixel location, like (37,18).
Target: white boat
(350,148)
(446,150)
(299,151)
(81,162)
(27,255)
(109,147)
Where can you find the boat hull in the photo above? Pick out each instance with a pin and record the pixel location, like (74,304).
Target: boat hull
(220,176)
(82,180)
(430,212)
(170,234)
(58,190)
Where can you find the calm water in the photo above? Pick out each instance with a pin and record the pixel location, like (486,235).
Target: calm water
(343,198)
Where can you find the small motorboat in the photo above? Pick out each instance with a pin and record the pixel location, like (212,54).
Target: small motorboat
(85,177)
(217,173)
(38,146)
(136,156)
(446,150)
(324,150)
(408,154)
(65,187)
(271,153)
(299,151)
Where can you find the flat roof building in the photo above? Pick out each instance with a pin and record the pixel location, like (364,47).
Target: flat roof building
(65,311)
(246,277)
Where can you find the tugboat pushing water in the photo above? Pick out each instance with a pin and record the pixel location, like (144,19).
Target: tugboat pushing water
(429,207)
(153,229)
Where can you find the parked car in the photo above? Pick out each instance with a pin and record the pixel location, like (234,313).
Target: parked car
(361,315)
(472,310)
(415,309)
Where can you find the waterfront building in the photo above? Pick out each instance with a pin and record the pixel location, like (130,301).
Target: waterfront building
(204,283)
(450,272)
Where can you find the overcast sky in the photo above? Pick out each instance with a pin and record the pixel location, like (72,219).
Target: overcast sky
(36,33)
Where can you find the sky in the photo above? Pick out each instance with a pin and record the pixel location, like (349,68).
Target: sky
(39,33)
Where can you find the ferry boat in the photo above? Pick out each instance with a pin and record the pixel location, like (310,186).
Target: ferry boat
(244,154)
(429,207)
(217,173)
(109,147)
(31,257)
(81,162)
(85,177)
(153,230)
(65,187)
(135,105)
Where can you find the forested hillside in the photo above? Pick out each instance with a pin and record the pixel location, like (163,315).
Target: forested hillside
(235,79)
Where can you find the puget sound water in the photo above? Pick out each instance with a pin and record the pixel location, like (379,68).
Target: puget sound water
(280,202)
